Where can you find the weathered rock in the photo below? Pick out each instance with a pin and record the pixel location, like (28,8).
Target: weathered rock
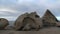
(37,23)
(28,22)
(49,19)
(3,23)
(19,20)
(58,24)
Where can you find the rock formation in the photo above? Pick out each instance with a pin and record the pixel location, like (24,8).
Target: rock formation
(49,19)
(3,23)
(28,22)
(58,24)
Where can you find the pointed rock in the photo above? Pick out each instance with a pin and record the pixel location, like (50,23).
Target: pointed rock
(49,19)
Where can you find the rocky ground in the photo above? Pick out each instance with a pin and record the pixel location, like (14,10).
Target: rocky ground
(49,30)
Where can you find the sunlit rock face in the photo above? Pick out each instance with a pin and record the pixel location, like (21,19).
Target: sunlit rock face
(28,22)
(3,23)
(49,19)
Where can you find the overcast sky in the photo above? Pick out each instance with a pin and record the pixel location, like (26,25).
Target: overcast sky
(11,9)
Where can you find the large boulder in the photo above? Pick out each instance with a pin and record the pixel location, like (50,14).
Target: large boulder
(18,23)
(28,22)
(3,23)
(49,19)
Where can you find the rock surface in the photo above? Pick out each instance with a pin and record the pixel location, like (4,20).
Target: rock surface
(3,23)
(49,19)
(28,22)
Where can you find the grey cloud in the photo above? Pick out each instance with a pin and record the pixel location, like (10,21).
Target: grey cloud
(56,12)
(27,7)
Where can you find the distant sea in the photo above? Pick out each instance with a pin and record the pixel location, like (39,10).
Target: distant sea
(11,23)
